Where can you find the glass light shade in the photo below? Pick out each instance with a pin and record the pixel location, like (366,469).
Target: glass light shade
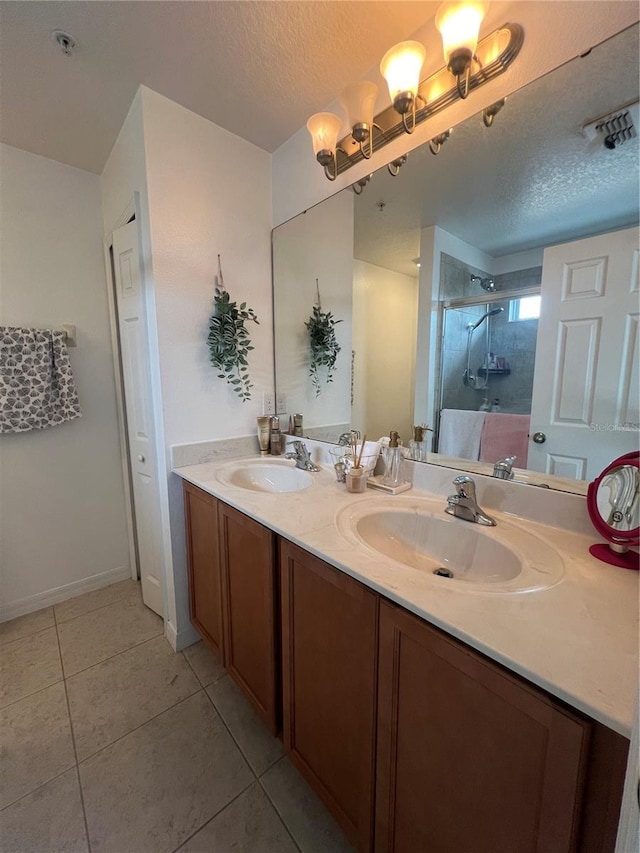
(359,101)
(459,26)
(401,66)
(324,129)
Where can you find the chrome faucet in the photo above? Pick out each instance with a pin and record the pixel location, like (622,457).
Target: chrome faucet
(464,504)
(345,438)
(502,468)
(301,455)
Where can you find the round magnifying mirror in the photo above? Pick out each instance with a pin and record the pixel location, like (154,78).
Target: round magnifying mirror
(613,501)
(618,498)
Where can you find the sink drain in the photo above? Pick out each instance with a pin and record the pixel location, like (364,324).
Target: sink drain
(443,573)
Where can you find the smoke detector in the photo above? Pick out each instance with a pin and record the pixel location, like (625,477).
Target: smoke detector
(65,41)
(615,128)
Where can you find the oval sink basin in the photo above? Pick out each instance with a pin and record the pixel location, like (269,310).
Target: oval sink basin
(455,553)
(266,477)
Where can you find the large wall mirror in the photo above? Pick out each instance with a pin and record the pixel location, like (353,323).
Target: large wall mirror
(490,291)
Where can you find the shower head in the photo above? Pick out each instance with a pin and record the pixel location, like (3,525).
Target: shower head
(473,326)
(487,284)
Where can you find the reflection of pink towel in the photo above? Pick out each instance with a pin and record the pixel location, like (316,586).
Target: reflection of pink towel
(505,435)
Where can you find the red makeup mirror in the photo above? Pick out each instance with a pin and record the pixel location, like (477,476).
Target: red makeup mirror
(613,501)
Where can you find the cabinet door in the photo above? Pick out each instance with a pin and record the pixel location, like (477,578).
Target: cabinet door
(249,590)
(329,638)
(203,560)
(470,758)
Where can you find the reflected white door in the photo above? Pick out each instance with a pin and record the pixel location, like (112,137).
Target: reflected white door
(586,383)
(132,329)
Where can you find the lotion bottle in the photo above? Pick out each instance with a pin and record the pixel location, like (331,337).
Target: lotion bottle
(263,434)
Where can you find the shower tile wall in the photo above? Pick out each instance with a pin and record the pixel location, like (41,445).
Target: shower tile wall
(516,341)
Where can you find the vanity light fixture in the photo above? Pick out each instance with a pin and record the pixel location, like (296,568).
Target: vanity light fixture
(361,184)
(438,141)
(412,100)
(401,67)
(459,26)
(395,165)
(324,129)
(359,101)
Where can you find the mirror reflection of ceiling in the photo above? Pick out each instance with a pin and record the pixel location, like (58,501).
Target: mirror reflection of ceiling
(531,180)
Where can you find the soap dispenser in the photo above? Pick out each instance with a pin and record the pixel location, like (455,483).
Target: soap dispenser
(485,405)
(277,440)
(392,456)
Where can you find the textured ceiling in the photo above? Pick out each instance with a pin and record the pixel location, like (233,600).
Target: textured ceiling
(529,181)
(258,69)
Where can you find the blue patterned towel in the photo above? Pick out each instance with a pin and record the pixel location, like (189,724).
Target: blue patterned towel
(36,381)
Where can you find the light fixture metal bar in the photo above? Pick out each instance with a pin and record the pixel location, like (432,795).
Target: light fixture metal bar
(390,123)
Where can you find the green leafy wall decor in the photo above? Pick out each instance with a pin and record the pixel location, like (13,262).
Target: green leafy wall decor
(228,339)
(323,343)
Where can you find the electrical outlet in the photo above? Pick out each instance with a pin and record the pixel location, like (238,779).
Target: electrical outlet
(268,403)
(281,403)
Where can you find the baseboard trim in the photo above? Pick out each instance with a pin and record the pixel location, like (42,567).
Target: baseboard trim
(22,606)
(179,640)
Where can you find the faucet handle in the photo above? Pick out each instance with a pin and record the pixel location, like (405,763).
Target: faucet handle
(502,468)
(465,486)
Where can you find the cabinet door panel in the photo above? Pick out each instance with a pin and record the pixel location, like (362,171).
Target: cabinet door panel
(469,757)
(329,635)
(203,560)
(249,584)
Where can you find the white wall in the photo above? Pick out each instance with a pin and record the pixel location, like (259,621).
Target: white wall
(63,523)
(316,244)
(555,32)
(385,305)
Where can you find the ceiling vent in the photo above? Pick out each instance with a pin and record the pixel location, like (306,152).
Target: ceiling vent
(615,128)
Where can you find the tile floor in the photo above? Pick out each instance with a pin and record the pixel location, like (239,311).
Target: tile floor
(111,743)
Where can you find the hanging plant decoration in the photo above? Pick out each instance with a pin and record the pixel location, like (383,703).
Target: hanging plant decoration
(323,343)
(229,341)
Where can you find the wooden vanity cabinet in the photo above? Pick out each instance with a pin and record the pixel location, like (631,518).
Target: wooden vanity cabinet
(203,562)
(249,595)
(329,653)
(233,599)
(472,758)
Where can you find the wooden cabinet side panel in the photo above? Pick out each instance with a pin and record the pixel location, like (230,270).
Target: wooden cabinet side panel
(248,552)
(603,791)
(203,564)
(329,648)
(469,757)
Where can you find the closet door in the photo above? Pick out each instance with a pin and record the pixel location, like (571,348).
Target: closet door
(136,381)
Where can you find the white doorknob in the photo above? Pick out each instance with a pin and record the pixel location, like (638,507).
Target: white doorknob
(141,458)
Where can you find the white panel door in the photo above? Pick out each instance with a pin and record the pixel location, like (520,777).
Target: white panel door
(585,389)
(132,329)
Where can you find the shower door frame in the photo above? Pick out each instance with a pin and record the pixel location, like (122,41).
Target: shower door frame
(467,302)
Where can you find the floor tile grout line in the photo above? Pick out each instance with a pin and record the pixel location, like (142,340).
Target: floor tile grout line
(26,636)
(131,731)
(199,680)
(31,695)
(223,721)
(213,817)
(111,657)
(37,788)
(75,753)
(117,654)
(94,609)
(257,778)
(275,807)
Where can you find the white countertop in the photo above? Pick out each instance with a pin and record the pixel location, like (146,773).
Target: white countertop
(578,639)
